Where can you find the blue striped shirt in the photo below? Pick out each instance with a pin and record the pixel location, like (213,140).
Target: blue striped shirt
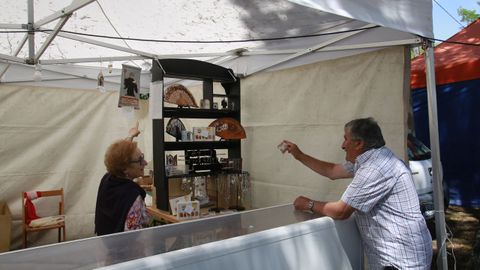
(388,214)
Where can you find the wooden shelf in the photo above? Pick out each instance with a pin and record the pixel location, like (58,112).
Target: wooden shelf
(176,146)
(198,113)
(193,174)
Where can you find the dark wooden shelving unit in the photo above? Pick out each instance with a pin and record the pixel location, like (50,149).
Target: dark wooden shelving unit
(207,73)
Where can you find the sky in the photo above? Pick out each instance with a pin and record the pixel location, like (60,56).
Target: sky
(445,26)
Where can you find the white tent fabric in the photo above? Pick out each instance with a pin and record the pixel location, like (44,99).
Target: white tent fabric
(309,105)
(407,16)
(53,138)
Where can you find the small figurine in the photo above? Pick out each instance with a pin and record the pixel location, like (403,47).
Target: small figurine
(224,103)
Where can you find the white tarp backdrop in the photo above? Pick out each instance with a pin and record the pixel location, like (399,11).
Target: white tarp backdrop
(51,137)
(310,105)
(56,138)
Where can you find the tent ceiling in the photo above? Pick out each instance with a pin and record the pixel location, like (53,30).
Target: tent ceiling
(205,21)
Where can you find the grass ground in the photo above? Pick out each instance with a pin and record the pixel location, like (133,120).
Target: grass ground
(464,246)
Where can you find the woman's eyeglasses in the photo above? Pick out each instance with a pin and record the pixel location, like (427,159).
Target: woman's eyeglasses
(140,160)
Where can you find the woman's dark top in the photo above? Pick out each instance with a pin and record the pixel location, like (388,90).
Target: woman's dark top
(114,199)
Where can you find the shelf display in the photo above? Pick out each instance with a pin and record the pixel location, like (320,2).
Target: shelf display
(199,145)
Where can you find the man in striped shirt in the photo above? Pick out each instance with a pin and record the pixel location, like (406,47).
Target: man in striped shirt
(382,195)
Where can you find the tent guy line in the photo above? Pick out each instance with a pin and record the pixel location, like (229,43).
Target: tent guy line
(191,41)
(225,41)
(446,11)
(455,42)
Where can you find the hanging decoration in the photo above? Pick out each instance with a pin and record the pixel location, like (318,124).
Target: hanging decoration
(101,81)
(101,78)
(129,88)
(145,92)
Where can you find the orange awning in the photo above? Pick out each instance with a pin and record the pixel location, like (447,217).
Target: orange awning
(453,62)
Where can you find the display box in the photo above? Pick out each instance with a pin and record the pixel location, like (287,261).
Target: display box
(203,133)
(188,210)
(175,201)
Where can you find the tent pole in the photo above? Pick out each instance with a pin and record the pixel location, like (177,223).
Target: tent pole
(31,34)
(66,11)
(436,164)
(52,35)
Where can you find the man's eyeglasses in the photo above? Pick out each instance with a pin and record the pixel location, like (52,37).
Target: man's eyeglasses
(140,159)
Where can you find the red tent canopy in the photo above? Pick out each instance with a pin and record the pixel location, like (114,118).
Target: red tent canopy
(453,62)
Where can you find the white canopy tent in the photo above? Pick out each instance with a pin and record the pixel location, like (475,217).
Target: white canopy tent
(73,41)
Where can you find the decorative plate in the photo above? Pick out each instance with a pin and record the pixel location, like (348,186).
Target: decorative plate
(180,95)
(175,128)
(228,128)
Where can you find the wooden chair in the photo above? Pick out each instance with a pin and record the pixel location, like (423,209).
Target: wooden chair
(44,223)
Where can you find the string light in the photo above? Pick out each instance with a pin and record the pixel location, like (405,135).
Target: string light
(37,75)
(146,65)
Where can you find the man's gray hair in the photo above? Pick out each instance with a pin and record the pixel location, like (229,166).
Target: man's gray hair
(367,130)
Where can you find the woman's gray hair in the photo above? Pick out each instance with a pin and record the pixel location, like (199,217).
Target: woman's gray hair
(367,130)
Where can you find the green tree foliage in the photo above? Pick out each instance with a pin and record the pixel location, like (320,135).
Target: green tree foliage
(468,15)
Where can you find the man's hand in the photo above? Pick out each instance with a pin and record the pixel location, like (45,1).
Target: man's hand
(292,149)
(301,203)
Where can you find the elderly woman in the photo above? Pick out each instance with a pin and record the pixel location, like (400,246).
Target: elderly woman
(120,201)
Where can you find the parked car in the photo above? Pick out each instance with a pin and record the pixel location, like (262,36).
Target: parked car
(420,163)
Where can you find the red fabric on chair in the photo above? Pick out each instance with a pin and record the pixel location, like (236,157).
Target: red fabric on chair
(30,213)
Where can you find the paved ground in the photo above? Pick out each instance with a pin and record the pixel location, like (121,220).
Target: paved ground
(464,247)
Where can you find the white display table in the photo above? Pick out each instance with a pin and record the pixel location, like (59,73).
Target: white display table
(269,238)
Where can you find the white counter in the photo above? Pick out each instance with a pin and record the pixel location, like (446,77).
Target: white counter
(269,238)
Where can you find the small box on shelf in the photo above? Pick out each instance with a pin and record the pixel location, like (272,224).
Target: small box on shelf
(203,134)
(172,170)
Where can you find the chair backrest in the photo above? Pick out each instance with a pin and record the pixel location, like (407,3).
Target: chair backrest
(29,212)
